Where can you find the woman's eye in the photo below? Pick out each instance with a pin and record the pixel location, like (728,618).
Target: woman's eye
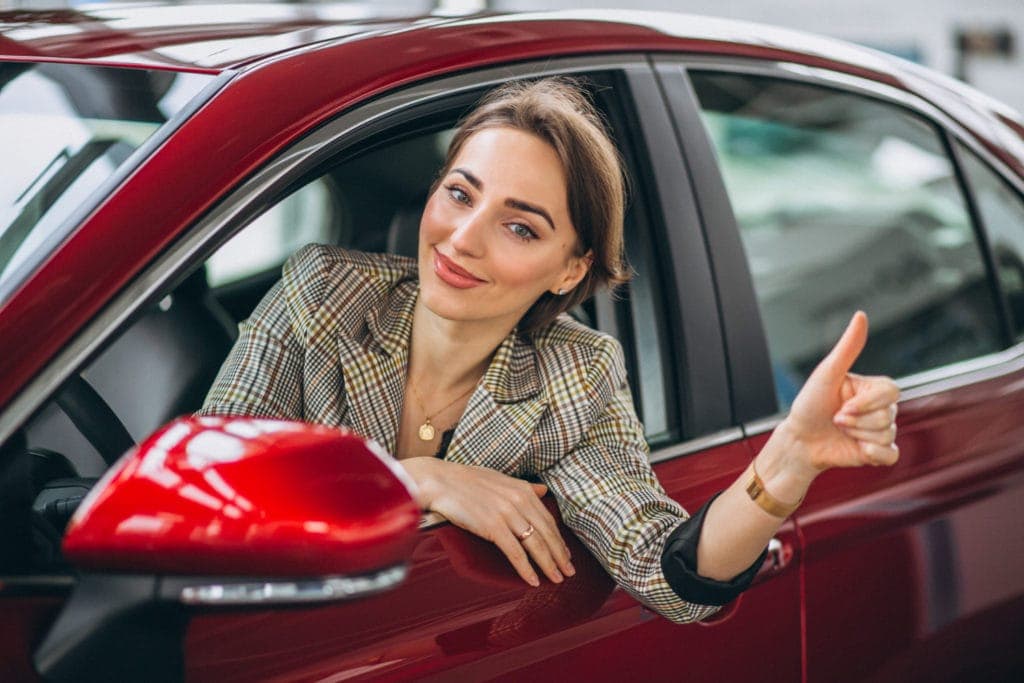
(521,231)
(458,194)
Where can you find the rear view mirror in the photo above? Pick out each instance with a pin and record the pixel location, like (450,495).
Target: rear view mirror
(229,511)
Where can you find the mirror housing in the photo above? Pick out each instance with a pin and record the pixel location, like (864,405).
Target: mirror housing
(247,497)
(223,512)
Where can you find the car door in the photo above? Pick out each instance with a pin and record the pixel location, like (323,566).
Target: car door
(845,195)
(463,614)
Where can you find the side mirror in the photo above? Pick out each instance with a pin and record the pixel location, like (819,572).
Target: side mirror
(228,511)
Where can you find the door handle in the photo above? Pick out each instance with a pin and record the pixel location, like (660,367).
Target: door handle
(778,557)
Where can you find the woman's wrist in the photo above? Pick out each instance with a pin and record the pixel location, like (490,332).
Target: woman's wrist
(423,471)
(783,465)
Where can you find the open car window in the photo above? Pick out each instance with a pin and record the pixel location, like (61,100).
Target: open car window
(370,199)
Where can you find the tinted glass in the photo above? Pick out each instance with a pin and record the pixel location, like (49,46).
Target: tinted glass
(64,131)
(844,202)
(1002,213)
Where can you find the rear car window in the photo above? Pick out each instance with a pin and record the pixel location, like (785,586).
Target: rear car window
(1002,213)
(846,202)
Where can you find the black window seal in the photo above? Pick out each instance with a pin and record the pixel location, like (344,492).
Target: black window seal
(980,234)
(748,362)
(700,371)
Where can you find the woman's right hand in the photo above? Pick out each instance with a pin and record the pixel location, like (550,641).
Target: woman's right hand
(498,508)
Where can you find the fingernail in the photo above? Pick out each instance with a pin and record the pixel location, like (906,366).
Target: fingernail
(558,577)
(533,581)
(569,569)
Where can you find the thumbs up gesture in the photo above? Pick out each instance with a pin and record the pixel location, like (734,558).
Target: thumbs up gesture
(843,419)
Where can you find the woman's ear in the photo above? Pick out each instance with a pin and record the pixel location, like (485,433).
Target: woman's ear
(575,271)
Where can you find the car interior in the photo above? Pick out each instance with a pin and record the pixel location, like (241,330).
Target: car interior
(364,201)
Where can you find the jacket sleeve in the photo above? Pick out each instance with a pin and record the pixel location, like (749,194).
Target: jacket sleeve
(263,374)
(609,496)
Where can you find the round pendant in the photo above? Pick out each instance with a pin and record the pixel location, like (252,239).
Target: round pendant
(426,432)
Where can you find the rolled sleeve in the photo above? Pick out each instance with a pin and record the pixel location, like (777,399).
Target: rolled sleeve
(679,563)
(608,494)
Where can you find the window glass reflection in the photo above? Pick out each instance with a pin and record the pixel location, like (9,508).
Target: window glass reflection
(66,130)
(1002,213)
(844,202)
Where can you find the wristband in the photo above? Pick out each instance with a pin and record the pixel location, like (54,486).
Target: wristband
(766,501)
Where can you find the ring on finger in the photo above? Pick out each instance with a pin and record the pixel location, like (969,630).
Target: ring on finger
(526,533)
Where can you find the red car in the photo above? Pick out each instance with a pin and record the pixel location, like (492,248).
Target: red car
(160,163)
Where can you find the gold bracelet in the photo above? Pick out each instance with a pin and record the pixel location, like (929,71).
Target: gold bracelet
(766,501)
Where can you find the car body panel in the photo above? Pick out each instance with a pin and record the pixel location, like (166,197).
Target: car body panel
(901,559)
(489,625)
(414,53)
(921,540)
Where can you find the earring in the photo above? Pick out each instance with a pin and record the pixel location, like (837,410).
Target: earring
(561,292)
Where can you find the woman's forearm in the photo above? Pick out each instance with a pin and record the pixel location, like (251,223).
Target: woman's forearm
(736,529)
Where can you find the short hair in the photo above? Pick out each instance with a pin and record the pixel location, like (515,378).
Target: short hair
(558,111)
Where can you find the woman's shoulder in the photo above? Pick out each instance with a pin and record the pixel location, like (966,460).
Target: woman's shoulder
(326,283)
(315,262)
(568,350)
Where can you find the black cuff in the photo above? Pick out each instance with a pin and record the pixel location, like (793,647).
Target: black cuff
(679,562)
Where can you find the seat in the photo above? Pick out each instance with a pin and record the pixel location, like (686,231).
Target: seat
(159,368)
(404,230)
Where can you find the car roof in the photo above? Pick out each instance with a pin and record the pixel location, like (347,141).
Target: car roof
(213,37)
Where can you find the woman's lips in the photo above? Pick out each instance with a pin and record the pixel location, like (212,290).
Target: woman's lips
(452,275)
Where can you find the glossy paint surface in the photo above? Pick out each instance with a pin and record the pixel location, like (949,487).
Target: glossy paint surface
(159,201)
(247,497)
(486,623)
(917,572)
(894,569)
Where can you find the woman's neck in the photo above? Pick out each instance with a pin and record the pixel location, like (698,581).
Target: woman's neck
(447,355)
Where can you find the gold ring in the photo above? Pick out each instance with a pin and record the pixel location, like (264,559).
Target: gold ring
(526,534)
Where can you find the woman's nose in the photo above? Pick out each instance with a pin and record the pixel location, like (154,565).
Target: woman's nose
(468,235)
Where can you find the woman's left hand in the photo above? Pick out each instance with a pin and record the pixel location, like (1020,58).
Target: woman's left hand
(840,419)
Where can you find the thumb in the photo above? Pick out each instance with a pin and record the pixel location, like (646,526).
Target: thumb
(539,489)
(843,355)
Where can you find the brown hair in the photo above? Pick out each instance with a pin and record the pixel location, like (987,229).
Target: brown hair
(558,111)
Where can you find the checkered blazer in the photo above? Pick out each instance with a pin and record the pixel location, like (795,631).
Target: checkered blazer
(329,344)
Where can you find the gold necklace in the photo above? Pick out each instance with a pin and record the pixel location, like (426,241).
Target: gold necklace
(426,431)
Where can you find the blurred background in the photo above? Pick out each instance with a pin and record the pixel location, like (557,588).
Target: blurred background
(979,42)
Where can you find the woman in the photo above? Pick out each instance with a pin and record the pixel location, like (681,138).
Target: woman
(461,353)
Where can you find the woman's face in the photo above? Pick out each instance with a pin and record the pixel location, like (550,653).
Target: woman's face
(496,233)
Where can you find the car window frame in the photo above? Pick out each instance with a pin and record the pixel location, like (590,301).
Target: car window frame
(757,408)
(241,203)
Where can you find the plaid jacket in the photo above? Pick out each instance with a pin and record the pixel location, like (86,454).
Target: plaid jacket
(329,344)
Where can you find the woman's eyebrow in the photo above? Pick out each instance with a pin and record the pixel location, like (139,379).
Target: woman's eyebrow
(518,204)
(473,180)
(523,206)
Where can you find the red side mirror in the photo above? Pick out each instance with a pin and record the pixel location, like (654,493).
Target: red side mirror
(247,497)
